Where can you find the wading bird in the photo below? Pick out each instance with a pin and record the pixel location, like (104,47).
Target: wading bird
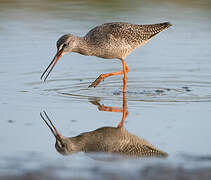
(110,41)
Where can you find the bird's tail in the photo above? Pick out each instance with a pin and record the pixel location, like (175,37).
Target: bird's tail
(154,29)
(151,30)
(165,25)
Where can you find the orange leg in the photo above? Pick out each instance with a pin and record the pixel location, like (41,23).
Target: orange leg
(102,107)
(109,108)
(125,111)
(125,75)
(103,76)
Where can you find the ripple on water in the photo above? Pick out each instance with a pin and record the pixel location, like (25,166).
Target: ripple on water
(153,91)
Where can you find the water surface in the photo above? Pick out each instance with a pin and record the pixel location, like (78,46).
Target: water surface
(168,87)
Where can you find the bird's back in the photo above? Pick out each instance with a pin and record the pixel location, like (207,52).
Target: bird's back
(119,141)
(120,39)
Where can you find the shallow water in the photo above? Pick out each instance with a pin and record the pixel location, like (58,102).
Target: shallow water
(168,87)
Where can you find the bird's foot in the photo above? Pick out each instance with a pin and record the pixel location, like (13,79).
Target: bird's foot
(97,81)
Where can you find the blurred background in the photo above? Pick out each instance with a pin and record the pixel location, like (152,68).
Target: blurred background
(169,100)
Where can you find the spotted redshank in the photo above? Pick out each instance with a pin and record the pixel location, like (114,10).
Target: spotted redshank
(110,41)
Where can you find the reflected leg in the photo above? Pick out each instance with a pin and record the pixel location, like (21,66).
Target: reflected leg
(125,111)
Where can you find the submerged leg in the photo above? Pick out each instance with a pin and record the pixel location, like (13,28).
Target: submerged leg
(125,75)
(103,76)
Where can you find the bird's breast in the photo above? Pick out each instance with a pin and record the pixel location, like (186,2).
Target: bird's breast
(111,52)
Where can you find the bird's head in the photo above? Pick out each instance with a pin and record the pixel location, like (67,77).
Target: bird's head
(66,44)
(63,145)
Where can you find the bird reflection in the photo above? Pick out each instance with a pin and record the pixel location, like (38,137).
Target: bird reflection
(113,140)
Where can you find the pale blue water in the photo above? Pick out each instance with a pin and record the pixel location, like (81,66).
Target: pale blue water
(169,98)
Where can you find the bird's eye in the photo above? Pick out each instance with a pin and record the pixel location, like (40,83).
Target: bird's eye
(63,145)
(65,45)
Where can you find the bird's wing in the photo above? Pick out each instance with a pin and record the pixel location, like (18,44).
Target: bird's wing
(151,151)
(103,33)
(129,33)
(142,150)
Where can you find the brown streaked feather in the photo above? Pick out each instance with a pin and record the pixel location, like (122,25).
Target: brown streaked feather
(125,31)
(118,39)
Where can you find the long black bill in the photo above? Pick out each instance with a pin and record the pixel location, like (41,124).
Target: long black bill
(51,126)
(52,64)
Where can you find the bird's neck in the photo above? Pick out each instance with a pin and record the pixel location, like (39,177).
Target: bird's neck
(78,143)
(83,47)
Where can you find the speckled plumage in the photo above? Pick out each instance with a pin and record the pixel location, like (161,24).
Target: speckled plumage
(109,41)
(115,140)
(118,39)
(112,40)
